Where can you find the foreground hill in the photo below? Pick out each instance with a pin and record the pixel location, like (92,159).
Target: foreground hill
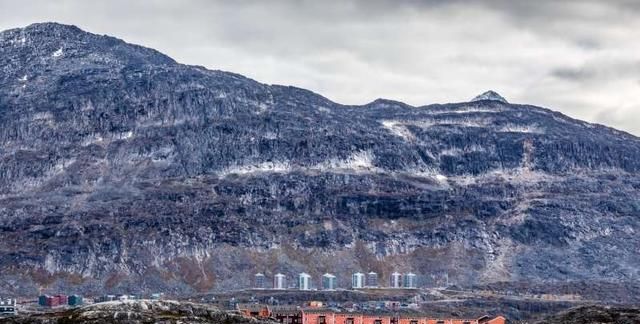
(134,312)
(595,314)
(121,170)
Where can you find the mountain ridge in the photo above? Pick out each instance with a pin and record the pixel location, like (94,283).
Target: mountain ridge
(58,29)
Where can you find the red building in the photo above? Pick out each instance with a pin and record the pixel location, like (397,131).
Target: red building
(295,315)
(318,316)
(287,314)
(282,314)
(348,318)
(53,301)
(63,299)
(376,319)
(254,310)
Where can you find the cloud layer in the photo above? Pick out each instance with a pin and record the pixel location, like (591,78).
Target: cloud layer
(579,57)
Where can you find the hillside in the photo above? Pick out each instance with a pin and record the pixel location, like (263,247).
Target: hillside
(134,312)
(122,170)
(595,314)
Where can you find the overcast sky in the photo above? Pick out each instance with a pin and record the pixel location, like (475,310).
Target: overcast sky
(578,57)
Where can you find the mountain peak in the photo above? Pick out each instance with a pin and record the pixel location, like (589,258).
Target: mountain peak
(53,26)
(47,29)
(51,39)
(490,95)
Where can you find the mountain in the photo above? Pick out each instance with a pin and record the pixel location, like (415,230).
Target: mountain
(124,171)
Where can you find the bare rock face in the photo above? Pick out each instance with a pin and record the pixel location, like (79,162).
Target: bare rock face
(124,171)
(490,95)
(136,312)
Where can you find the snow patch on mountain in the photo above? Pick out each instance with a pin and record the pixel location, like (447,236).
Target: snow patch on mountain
(513,128)
(358,161)
(42,117)
(147,123)
(426,172)
(57,53)
(273,167)
(125,135)
(92,139)
(520,176)
(398,129)
(468,110)
(455,151)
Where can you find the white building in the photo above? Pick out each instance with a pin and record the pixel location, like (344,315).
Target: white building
(125,297)
(8,307)
(410,280)
(396,280)
(357,280)
(304,281)
(372,280)
(328,282)
(259,281)
(279,281)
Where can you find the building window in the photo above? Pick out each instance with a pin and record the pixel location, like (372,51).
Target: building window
(440,322)
(322,320)
(349,321)
(377,321)
(466,322)
(413,322)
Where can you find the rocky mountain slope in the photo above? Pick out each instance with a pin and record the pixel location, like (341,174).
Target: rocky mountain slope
(122,170)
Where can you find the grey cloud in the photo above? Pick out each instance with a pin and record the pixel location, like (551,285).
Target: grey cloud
(599,71)
(572,74)
(588,43)
(588,24)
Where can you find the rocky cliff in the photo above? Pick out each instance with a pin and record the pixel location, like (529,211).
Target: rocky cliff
(122,170)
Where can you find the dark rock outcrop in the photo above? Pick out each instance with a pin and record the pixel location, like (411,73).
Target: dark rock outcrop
(121,170)
(490,95)
(595,314)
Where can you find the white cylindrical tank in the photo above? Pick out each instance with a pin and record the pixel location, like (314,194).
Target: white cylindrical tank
(396,280)
(279,281)
(304,281)
(410,280)
(328,282)
(259,281)
(357,280)
(372,280)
